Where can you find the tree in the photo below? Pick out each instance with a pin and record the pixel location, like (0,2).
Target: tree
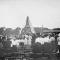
(8,31)
(2,31)
(45,48)
(56,30)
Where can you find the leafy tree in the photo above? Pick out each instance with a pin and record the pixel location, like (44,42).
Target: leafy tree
(45,48)
(2,31)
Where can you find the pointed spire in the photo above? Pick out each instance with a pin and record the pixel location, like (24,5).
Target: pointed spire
(28,27)
(27,22)
(27,17)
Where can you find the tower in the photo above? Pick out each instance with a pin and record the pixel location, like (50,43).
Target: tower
(28,29)
(42,30)
(27,22)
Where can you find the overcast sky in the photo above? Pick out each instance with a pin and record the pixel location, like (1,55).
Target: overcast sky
(13,13)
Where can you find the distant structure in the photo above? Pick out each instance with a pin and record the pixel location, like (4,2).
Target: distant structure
(27,22)
(28,29)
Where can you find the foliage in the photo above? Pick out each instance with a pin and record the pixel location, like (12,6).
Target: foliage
(2,31)
(44,48)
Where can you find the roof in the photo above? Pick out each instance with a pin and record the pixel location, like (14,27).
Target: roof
(40,29)
(29,29)
(37,30)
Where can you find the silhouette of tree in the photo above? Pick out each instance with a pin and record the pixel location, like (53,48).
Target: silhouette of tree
(2,31)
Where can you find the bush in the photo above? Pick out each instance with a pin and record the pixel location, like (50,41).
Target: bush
(45,48)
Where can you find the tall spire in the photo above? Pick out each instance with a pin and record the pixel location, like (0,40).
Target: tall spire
(28,27)
(27,22)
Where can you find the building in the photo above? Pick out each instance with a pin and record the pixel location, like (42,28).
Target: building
(29,29)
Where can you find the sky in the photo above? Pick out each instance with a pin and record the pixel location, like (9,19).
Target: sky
(13,13)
